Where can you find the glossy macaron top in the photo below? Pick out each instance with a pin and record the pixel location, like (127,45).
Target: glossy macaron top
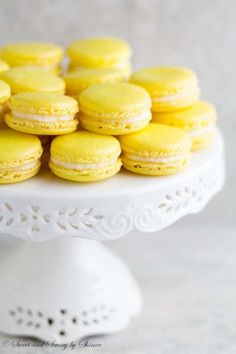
(43,103)
(85,147)
(80,79)
(198,115)
(114,99)
(32,53)
(164,78)
(99,52)
(156,140)
(5,91)
(28,79)
(18,149)
(3,66)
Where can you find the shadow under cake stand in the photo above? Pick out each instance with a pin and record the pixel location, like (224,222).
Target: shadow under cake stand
(72,286)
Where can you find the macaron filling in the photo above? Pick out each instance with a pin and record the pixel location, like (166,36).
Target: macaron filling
(154,159)
(43,118)
(82,166)
(178,96)
(27,166)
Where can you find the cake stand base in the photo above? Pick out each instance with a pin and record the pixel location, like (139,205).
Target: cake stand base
(64,289)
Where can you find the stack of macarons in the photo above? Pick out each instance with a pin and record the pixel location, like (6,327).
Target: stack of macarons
(94,114)
(175,102)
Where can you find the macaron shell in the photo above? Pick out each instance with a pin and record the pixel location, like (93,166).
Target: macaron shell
(164,80)
(16,176)
(5,92)
(26,79)
(201,114)
(40,128)
(156,140)
(80,79)
(155,169)
(44,103)
(99,52)
(85,147)
(114,98)
(30,53)
(90,175)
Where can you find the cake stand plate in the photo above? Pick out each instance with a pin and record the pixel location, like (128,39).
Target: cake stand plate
(72,286)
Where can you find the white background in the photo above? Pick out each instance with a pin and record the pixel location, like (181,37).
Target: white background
(187,272)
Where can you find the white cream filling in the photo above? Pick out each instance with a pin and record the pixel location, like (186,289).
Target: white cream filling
(177,96)
(134,119)
(25,167)
(42,118)
(200,131)
(82,166)
(154,159)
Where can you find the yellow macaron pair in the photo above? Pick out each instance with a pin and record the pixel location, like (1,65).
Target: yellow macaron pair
(19,156)
(42,113)
(32,79)
(96,53)
(175,102)
(44,55)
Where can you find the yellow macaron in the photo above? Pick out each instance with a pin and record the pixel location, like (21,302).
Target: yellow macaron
(42,113)
(156,150)
(5,93)
(170,88)
(84,157)
(45,55)
(19,156)
(80,79)
(3,66)
(28,79)
(114,109)
(100,53)
(198,121)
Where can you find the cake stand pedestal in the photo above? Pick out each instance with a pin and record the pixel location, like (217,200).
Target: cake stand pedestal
(72,286)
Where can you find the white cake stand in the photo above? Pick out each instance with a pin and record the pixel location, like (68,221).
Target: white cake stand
(70,287)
